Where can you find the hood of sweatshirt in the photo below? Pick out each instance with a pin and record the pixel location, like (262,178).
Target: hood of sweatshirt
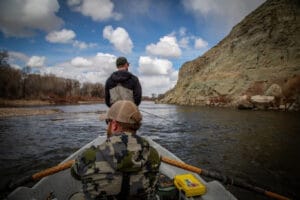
(120,76)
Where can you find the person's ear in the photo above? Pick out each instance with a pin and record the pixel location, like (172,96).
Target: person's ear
(114,125)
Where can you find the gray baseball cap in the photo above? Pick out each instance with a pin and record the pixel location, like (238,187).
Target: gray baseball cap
(121,61)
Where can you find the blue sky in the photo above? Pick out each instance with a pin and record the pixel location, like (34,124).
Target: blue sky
(81,39)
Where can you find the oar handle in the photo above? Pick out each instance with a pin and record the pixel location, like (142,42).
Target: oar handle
(275,195)
(181,165)
(53,170)
(224,179)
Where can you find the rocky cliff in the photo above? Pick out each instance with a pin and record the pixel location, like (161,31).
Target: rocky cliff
(260,57)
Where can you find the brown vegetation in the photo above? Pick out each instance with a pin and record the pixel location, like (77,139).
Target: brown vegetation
(17,84)
(12,112)
(256,88)
(220,100)
(291,92)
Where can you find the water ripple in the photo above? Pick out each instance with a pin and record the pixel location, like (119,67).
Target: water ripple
(262,147)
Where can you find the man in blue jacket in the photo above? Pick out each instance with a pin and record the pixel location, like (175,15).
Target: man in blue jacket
(122,85)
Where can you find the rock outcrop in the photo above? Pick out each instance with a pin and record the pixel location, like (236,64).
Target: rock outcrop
(260,56)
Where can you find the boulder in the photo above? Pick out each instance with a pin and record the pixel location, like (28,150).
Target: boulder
(262,99)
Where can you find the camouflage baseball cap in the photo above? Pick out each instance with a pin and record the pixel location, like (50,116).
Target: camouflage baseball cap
(124,111)
(121,61)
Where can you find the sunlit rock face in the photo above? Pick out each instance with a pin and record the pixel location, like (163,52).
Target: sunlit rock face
(260,56)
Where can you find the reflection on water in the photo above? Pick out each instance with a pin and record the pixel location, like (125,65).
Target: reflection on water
(260,147)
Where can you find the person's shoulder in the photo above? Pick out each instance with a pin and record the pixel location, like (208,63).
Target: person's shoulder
(135,79)
(109,79)
(114,138)
(153,156)
(89,155)
(133,76)
(142,140)
(86,158)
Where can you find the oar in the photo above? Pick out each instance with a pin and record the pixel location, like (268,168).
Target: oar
(41,174)
(224,179)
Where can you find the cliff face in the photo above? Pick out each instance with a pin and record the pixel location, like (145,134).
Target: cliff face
(258,57)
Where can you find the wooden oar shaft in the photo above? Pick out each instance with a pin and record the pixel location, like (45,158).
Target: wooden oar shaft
(169,161)
(53,170)
(181,165)
(275,195)
(222,178)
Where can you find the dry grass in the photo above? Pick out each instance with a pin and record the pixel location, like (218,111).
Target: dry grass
(12,108)
(12,112)
(18,103)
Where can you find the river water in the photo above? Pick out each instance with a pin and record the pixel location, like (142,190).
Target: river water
(262,148)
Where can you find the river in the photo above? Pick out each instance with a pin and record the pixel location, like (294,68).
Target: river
(261,147)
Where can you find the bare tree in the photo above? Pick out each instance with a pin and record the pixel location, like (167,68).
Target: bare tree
(4,58)
(9,78)
(15,83)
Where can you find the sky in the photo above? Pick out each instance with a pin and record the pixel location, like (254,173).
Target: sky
(81,39)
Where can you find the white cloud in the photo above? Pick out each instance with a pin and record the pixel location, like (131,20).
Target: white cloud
(156,75)
(17,56)
(184,42)
(36,61)
(63,36)
(105,63)
(155,84)
(98,10)
(182,31)
(166,47)
(200,43)
(85,69)
(66,36)
(15,66)
(80,62)
(174,77)
(83,45)
(219,14)
(80,45)
(149,66)
(204,7)
(23,18)
(74,2)
(119,38)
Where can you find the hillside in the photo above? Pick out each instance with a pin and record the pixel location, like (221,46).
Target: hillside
(256,64)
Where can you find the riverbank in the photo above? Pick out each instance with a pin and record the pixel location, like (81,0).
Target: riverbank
(23,103)
(37,102)
(13,112)
(12,108)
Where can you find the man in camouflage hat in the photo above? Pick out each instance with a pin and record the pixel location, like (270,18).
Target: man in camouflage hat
(122,85)
(123,167)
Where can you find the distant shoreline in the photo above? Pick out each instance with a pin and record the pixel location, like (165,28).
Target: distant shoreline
(14,108)
(26,103)
(23,103)
(14,112)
